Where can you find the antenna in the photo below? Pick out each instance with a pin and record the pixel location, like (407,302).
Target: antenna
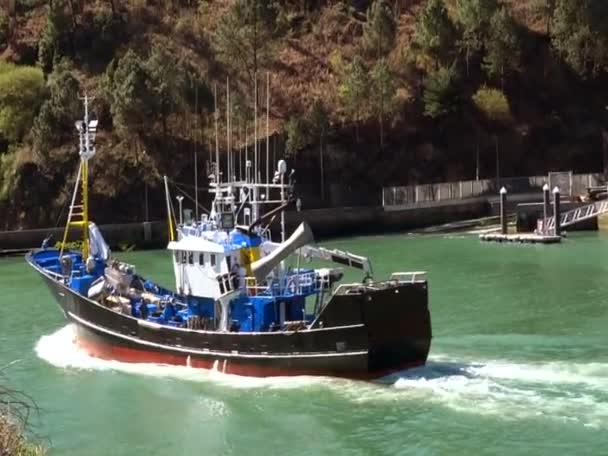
(229,177)
(217,143)
(255,131)
(195,151)
(246,152)
(267,132)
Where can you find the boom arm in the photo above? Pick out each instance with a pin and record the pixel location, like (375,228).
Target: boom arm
(340,257)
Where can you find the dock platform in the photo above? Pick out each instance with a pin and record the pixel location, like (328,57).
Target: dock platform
(526,238)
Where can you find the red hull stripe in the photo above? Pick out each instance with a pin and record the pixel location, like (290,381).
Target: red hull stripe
(131,355)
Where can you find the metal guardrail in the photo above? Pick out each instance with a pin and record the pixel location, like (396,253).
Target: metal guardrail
(409,277)
(579,214)
(570,184)
(291,284)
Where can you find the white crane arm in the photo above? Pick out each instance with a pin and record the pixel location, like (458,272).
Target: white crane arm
(338,256)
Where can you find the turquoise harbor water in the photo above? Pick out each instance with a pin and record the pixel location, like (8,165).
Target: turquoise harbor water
(518,366)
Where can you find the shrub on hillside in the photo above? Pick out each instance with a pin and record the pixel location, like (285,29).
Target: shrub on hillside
(21,94)
(493,104)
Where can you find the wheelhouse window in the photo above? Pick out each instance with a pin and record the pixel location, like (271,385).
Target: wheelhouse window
(190,258)
(212,259)
(201,259)
(177,255)
(183,257)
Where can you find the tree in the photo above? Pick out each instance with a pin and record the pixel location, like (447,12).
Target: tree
(545,9)
(166,83)
(354,90)
(319,124)
(64,90)
(4,29)
(55,37)
(297,136)
(434,31)
(128,91)
(502,47)
(474,17)
(494,107)
(580,34)
(21,94)
(55,120)
(380,28)
(440,93)
(383,94)
(244,35)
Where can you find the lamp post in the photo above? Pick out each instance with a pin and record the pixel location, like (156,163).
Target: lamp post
(503,211)
(556,211)
(179,201)
(546,206)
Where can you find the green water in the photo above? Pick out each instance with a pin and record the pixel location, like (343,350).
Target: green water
(519,365)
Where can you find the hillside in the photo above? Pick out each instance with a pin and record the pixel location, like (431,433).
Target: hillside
(386,92)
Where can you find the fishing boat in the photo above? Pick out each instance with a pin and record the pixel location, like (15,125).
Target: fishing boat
(243,303)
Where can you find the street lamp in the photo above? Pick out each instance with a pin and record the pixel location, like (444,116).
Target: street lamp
(179,201)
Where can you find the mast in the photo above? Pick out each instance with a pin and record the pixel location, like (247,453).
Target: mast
(169,216)
(86,130)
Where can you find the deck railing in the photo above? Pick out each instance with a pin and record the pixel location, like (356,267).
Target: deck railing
(289,285)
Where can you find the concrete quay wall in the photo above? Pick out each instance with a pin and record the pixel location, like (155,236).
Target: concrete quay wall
(341,221)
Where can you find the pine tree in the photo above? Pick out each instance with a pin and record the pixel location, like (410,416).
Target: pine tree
(354,91)
(166,83)
(494,106)
(297,136)
(502,47)
(440,93)
(245,35)
(56,36)
(319,124)
(379,29)
(384,89)
(474,18)
(55,121)
(128,90)
(435,32)
(545,9)
(580,34)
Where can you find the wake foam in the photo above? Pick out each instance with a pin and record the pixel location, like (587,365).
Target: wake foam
(576,392)
(61,350)
(557,390)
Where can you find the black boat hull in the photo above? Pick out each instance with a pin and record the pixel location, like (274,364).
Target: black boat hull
(363,336)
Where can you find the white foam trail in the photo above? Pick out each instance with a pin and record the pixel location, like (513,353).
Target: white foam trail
(576,392)
(557,390)
(60,350)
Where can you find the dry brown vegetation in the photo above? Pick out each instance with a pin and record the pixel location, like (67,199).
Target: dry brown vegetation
(559,112)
